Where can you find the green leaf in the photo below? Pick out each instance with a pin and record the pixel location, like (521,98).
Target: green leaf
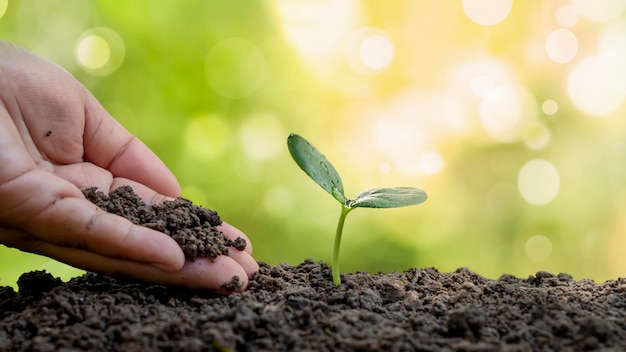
(314,164)
(388,198)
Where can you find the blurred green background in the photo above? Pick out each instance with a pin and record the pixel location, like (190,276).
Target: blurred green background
(508,113)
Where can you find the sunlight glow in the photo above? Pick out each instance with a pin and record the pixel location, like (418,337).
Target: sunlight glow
(538,248)
(318,29)
(393,137)
(477,78)
(600,10)
(487,12)
(431,163)
(481,85)
(505,111)
(407,131)
(612,50)
(538,182)
(261,136)
(561,46)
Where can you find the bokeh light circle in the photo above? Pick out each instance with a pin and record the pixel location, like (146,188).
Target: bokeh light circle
(550,107)
(93,52)
(369,51)
(100,51)
(538,248)
(487,12)
(612,51)
(235,68)
(376,52)
(567,15)
(537,136)
(561,46)
(538,182)
(590,88)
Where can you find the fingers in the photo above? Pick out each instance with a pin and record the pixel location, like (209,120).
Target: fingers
(199,274)
(204,274)
(58,215)
(245,260)
(93,229)
(55,211)
(84,175)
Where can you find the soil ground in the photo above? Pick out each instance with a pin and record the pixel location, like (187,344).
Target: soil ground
(297,308)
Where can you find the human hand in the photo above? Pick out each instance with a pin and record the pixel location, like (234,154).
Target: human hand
(56,139)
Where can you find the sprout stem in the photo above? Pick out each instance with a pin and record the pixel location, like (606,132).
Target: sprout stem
(342,218)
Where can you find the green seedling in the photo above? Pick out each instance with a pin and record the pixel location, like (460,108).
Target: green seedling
(314,164)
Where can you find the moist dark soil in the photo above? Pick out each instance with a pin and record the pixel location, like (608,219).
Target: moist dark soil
(193,227)
(297,308)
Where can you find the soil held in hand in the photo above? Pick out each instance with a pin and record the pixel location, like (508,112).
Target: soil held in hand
(193,227)
(297,308)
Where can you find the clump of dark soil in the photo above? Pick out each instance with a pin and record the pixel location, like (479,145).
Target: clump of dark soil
(297,308)
(191,226)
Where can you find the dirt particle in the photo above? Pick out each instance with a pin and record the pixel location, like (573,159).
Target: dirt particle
(233,285)
(239,244)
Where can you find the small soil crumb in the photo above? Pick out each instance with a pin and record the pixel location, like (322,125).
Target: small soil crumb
(239,244)
(233,285)
(191,226)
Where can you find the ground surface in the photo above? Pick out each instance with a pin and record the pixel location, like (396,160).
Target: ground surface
(297,308)
(289,308)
